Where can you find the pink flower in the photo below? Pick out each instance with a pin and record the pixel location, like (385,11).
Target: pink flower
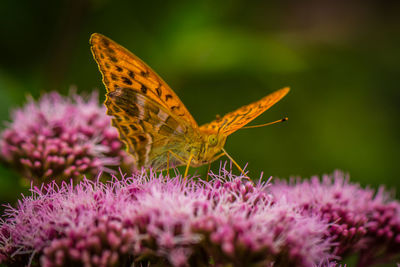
(149,219)
(361,221)
(61,137)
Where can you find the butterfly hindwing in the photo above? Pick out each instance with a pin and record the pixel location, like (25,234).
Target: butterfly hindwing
(121,69)
(235,120)
(148,129)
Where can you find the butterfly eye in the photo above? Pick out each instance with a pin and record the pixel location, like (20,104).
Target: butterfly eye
(212,140)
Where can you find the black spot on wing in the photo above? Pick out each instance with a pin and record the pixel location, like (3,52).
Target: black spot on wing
(132,140)
(158,90)
(143,89)
(113,59)
(116,109)
(114,77)
(126,81)
(142,138)
(105,42)
(110,50)
(175,107)
(144,74)
(124,129)
(132,110)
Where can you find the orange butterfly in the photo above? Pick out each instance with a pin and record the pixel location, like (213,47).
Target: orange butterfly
(153,122)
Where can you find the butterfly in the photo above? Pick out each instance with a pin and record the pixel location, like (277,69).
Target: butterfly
(158,130)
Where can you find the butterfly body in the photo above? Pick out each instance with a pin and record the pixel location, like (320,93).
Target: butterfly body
(158,130)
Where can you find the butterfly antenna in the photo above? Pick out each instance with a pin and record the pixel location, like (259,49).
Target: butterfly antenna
(234,162)
(265,124)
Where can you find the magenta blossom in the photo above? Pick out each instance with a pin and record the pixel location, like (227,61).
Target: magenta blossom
(148,219)
(61,137)
(361,221)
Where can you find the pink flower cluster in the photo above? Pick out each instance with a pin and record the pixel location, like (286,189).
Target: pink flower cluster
(147,219)
(61,137)
(361,221)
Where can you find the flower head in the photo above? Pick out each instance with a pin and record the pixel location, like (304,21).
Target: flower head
(61,137)
(360,220)
(382,241)
(148,219)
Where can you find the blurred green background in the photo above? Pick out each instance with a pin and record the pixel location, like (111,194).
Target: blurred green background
(341,59)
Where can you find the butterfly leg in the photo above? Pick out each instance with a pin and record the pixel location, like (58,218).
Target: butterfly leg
(218,156)
(188,165)
(237,165)
(168,163)
(208,170)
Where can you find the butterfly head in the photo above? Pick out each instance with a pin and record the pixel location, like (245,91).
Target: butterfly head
(209,150)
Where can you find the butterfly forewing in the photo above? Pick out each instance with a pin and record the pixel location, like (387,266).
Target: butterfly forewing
(235,120)
(122,69)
